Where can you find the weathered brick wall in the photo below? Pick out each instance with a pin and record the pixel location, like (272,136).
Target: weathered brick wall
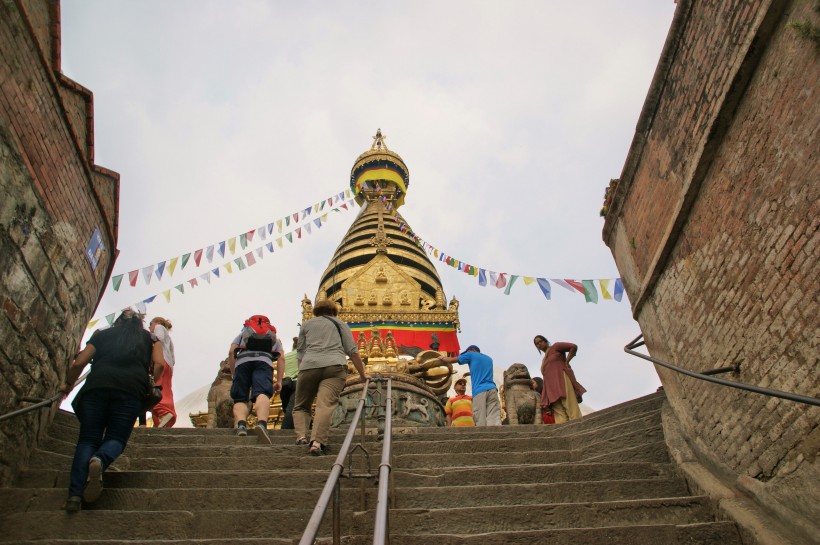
(715,234)
(53,200)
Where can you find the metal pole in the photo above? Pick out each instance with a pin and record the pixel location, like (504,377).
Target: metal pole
(381,532)
(337,514)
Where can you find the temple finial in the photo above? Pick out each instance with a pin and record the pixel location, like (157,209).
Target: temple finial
(378,141)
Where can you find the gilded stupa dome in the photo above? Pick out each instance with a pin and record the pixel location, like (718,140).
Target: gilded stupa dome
(379,164)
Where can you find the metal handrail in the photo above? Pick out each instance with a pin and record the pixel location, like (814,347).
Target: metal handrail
(41,403)
(381,528)
(636,342)
(331,489)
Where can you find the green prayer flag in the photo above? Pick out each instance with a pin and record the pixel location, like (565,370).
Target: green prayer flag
(590,293)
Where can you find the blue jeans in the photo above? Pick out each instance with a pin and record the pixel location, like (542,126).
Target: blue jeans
(106,418)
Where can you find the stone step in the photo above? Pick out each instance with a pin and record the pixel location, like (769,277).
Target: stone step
(719,533)
(426,477)
(50,499)
(505,518)
(141,526)
(223,523)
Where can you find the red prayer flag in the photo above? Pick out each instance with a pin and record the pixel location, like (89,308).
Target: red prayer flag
(198,257)
(575,284)
(132,277)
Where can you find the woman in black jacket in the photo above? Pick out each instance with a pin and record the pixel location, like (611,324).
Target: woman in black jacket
(123,358)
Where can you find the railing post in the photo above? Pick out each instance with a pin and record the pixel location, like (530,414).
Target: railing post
(337,514)
(381,531)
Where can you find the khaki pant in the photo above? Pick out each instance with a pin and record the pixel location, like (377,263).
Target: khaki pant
(324,385)
(566,408)
(486,408)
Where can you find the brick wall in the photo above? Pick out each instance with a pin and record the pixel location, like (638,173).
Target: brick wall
(714,230)
(54,199)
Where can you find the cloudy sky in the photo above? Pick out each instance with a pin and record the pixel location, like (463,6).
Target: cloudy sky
(511,116)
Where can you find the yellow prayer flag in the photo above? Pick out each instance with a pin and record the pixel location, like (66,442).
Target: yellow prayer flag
(279,225)
(605,288)
(279,241)
(92,323)
(232,245)
(167,295)
(228,268)
(324,216)
(528,280)
(172,265)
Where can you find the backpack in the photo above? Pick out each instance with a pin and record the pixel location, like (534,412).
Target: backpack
(258,335)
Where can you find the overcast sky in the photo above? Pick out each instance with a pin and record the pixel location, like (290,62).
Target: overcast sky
(511,117)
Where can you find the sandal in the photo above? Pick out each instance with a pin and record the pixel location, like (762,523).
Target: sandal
(302,441)
(317,448)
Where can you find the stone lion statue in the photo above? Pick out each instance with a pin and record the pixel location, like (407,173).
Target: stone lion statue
(220,404)
(522,403)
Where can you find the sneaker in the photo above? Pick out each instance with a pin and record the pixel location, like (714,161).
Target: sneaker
(73,504)
(164,419)
(94,484)
(241,429)
(262,434)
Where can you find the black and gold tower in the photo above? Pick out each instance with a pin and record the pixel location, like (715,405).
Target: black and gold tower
(380,277)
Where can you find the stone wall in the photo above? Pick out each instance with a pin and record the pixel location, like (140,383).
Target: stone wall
(714,230)
(54,198)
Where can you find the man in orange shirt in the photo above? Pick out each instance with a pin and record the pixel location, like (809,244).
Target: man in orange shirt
(459,408)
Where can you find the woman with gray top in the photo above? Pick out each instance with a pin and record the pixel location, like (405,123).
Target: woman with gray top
(324,341)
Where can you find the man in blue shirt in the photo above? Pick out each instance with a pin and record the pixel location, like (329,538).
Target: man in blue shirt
(486,407)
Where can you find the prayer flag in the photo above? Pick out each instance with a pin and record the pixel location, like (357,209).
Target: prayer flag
(590,293)
(260,252)
(544,284)
(249,235)
(318,222)
(180,287)
(269,246)
(562,284)
(261,232)
(116,281)
(575,284)
(287,221)
(92,323)
(209,253)
(270,228)
(215,272)
(185,258)
(298,232)
(296,217)
(502,280)
(279,241)
(172,265)
(307,227)
(231,245)
(493,278)
(619,290)
(528,280)
(239,263)
(306,212)
(250,258)
(160,269)
(206,277)
(167,295)
(147,272)
(279,225)
(324,216)
(221,249)
(243,240)
(228,267)
(198,257)
(150,299)
(193,282)
(289,236)
(604,282)
(482,277)
(141,307)
(110,319)
(513,278)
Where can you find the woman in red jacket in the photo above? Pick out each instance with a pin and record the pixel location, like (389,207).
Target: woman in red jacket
(561,392)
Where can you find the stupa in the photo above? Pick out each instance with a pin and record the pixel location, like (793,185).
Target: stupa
(391,296)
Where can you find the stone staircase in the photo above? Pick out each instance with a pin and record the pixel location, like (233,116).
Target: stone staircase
(604,479)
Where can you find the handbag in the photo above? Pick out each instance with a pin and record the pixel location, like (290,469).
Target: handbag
(151,397)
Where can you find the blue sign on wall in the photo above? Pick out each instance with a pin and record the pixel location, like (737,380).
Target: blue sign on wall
(95,249)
